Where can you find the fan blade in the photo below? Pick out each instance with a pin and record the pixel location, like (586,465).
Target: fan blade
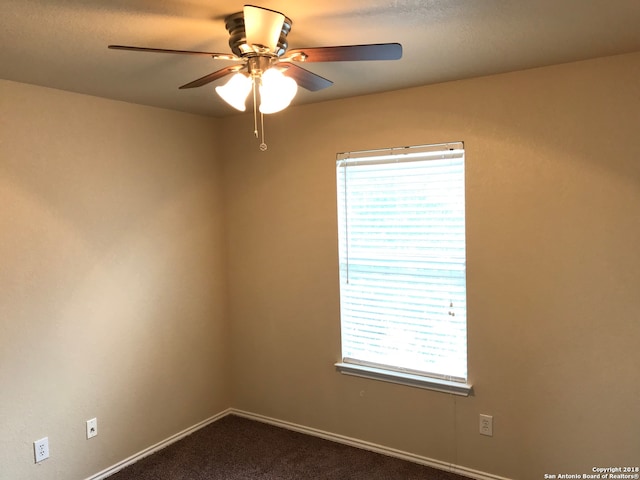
(262,26)
(305,78)
(212,76)
(217,56)
(377,51)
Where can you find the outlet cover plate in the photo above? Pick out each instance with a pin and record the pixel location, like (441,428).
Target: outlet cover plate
(92,428)
(486,425)
(41,449)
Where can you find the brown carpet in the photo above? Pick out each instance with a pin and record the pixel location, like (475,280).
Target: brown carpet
(234,448)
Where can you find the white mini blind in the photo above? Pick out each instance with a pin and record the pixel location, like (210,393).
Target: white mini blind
(401,215)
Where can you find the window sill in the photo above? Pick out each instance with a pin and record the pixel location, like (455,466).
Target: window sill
(436,384)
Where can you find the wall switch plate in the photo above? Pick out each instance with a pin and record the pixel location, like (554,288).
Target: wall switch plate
(486,425)
(92,428)
(41,449)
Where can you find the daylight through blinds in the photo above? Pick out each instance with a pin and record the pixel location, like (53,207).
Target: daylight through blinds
(401,216)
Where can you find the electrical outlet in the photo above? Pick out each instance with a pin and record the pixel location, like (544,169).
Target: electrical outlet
(41,449)
(92,428)
(486,425)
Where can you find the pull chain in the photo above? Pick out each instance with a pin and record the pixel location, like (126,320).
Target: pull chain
(255,112)
(263,146)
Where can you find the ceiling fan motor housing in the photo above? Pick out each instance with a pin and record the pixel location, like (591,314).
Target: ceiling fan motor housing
(234,24)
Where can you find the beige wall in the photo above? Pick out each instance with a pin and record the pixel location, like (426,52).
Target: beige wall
(553,240)
(118,296)
(112,284)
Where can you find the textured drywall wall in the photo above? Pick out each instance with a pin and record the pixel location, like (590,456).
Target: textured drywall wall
(553,235)
(112,281)
(112,286)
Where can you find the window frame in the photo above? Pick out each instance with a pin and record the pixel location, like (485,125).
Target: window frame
(370,370)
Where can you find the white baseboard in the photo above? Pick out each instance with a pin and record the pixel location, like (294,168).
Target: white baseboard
(353,442)
(158,446)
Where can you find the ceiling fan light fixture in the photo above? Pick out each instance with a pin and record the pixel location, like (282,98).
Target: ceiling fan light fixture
(236,91)
(276,91)
(258,39)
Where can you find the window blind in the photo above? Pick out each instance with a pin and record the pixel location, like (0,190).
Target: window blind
(401,216)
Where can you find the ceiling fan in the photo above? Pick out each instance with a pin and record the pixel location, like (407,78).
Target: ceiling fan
(263,64)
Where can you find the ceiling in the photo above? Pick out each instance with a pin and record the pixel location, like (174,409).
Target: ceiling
(63,43)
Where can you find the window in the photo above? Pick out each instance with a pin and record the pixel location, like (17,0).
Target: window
(401,228)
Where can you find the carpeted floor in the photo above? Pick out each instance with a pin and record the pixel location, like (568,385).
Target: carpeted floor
(234,448)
